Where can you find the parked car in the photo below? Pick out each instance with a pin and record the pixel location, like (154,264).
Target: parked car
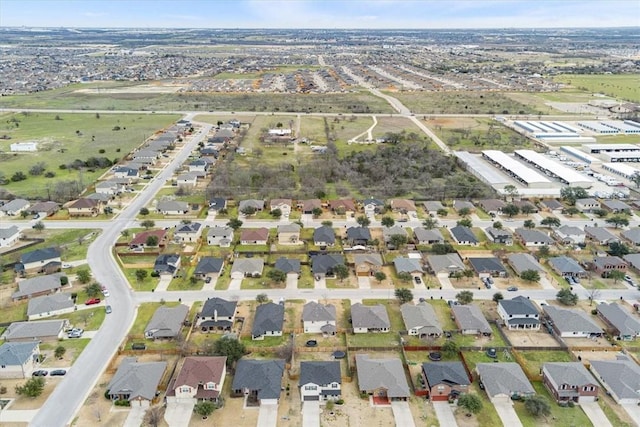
(207,280)
(628,279)
(512,288)
(108,309)
(92,301)
(417,280)
(75,333)
(105,292)
(58,372)
(39,373)
(66,265)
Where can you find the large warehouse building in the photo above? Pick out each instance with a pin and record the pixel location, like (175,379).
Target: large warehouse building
(554,169)
(517,170)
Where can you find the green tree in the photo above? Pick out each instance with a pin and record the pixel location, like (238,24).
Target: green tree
(141,274)
(617,221)
(152,240)
(276,213)
(262,298)
(571,194)
(498,297)
(537,406)
(363,221)
(442,248)
(148,223)
(83,275)
(566,297)
(616,275)
(93,290)
(144,211)
(527,209)
(497,225)
(24,214)
(529,224)
(510,190)
(550,221)
(450,348)
(464,222)
(248,210)
(403,295)
(600,213)
(125,233)
(571,211)
(398,240)
(430,223)
(511,210)
(38,226)
(327,223)
(18,176)
(232,348)
(464,212)
(277,276)
(464,297)
(316,212)
(32,388)
(341,271)
(544,251)
(470,402)
(380,276)
(59,352)
(618,249)
(387,221)
(442,212)
(234,223)
(530,275)
(204,408)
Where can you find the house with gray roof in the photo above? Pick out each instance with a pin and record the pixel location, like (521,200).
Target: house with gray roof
(552,205)
(166,322)
(492,206)
(38,286)
(367,264)
(621,378)
(499,235)
(633,260)
(445,265)
(50,305)
(519,313)
(289,234)
(320,381)
(569,382)
(208,266)
(565,266)
(9,236)
(432,207)
(369,318)
(251,204)
(220,236)
(167,264)
(488,267)
(570,235)
(632,236)
(37,260)
(604,265)
(600,235)
(463,204)
(258,381)
(14,207)
(247,267)
(572,323)
(443,378)
(217,314)
(464,236)
(187,233)
(172,207)
(587,205)
(502,381)
(324,236)
(40,330)
(623,324)
(18,359)
(217,204)
(388,232)
(470,320)
(372,206)
(268,321)
(532,238)
(136,381)
(358,236)
(427,236)
(382,377)
(319,318)
(420,320)
(616,206)
(323,265)
(290,266)
(412,266)
(524,261)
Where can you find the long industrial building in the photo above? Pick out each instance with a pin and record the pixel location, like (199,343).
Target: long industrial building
(607,148)
(483,171)
(580,155)
(554,169)
(621,169)
(517,170)
(621,156)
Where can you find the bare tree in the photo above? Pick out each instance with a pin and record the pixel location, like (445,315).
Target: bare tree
(154,415)
(593,295)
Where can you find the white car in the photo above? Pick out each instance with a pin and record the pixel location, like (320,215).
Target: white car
(105,292)
(67,265)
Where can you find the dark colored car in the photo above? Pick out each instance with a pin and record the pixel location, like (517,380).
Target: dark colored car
(512,288)
(311,343)
(39,373)
(92,301)
(58,372)
(417,280)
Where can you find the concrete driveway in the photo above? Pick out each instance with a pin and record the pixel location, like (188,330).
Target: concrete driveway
(311,414)
(445,414)
(163,284)
(595,414)
(633,411)
(545,283)
(364,282)
(402,414)
(179,411)
(507,414)
(234,285)
(17,415)
(445,282)
(136,415)
(320,284)
(268,416)
(292,282)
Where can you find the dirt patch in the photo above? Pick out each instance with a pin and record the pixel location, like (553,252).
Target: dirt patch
(587,342)
(531,338)
(356,411)
(21,402)
(597,355)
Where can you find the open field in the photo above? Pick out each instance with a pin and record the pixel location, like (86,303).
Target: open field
(63,138)
(624,86)
(462,103)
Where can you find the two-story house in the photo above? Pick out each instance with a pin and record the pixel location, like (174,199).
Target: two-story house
(519,313)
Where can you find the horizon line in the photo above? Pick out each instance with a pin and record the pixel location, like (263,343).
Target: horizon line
(319,28)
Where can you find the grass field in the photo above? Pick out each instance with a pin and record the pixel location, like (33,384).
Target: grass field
(462,103)
(624,86)
(70,137)
(559,416)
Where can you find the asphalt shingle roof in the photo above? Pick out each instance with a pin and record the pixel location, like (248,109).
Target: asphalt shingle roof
(137,379)
(567,320)
(382,373)
(621,376)
(320,373)
(504,379)
(265,376)
(313,311)
(16,353)
(451,373)
(370,317)
(269,317)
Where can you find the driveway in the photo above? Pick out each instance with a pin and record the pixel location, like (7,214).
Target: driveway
(17,415)
(179,411)
(595,414)
(320,284)
(445,414)
(268,416)
(402,414)
(311,414)
(211,286)
(364,283)
(234,285)
(292,282)
(507,414)
(165,279)
(136,415)
(633,410)
(545,283)
(445,282)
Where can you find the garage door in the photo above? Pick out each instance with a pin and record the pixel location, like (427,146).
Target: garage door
(310,398)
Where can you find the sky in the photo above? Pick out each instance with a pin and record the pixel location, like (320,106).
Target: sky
(370,14)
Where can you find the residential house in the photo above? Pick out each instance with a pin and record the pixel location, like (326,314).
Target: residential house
(38,260)
(200,378)
(519,313)
(201,165)
(39,285)
(320,381)
(632,236)
(289,234)
(412,266)
(463,236)
(19,359)
(620,378)
(188,179)
(622,324)
(525,206)
(587,204)
(285,206)
(633,260)
(220,236)
(432,207)
(600,235)
(14,207)
(126,172)
(85,207)
(172,207)
(268,321)
(136,382)
(372,206)
(9,236)
(616,206)
(254,236)
(188,233)
(420,320)
(358,236)
(499,235)
(463,204)
(166,322)
(258,381)
(217,314)
(382,378)
(488,267)
(148,157)
(308,206)
(533,238)
(504,381)
(289,266)
(571,323)
(565,266)
(403,205)
(167,264)
(367,264)
(319,318)
(323,265)
(109,187)
(570,235)
(208,266)
(604,265)
(569,382)
(217,204)
(38,330)
(492,206)
(140,239)
(324,236)
(103,199)
(369,318)
(389,232)
(552,205)
(445,379)
(247,267)
(470,320)
(44,209)
(445,265)
(250,205)
(425,236)
(342,206)
(50,305)
(523,261)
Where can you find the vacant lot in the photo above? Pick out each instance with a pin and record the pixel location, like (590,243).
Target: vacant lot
(625,86)
(462,103)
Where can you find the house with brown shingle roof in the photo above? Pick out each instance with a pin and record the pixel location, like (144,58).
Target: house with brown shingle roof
(85,207)
(200,378)
(254,236)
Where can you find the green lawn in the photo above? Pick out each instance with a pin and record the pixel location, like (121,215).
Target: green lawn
(266,342)
(73,243)
(559,416)
(145,312)
(149,283)
(393,311)
(74,347)
(90,319)
(15,312)
(623,86)
(474,357)
(535,359)
(488,416)
(389,339)
(184,283)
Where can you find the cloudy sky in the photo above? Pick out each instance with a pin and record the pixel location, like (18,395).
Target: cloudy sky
(321,13)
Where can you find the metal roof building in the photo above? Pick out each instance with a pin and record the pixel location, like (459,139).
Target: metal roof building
(482,170)
(555,169)
(580,155)
(606,148)
(522,173)
(621,169)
